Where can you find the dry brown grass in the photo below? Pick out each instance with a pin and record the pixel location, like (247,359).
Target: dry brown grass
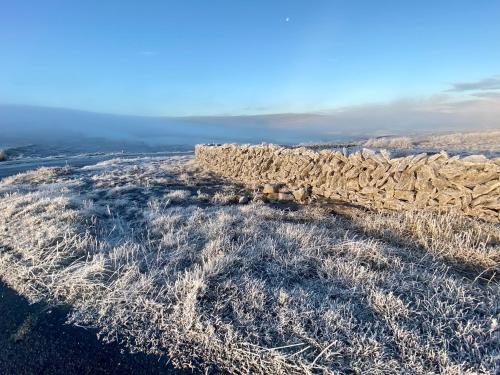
(248,289)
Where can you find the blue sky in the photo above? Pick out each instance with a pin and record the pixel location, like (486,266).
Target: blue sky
(178,58)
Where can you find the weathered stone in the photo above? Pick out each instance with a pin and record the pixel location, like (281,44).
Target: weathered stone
(369,190)
(352,184)
(433,203)
(259,197)
(425,172)
(443,155)
(363,179)
(389,185)
(386,155)
(493,204)
(472,178)
(444,198)
(404,195)
(466,200)
(301,194)
(406,181)
(379,172)
(485,189)
(285,197)
(421,199)
(271,188)
(394,204)
(367,153)
(423,185)
(439,183)
(370,165)
(485,200)
(382,180)
(475,159)
(451,171)
(471,184)
(352,173)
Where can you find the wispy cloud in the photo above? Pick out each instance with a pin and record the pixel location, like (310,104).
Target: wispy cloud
(492,83)
(148,53)
(487,94)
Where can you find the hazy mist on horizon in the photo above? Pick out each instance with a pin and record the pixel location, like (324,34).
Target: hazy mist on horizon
(20,124)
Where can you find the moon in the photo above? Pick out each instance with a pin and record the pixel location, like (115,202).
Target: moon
(287,19)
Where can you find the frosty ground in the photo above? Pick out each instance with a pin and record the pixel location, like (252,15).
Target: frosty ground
(157,253)
(486,142)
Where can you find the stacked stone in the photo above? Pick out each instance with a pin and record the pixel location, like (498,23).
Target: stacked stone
(470,184)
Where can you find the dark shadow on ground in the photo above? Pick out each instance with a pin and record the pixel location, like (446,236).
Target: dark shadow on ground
(34,339)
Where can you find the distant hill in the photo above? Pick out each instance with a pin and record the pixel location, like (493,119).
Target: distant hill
(31,124)
(22,124)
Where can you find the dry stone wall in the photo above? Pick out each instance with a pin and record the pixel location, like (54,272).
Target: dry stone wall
(375,180)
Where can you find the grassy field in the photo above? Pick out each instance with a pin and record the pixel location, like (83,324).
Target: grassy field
(485,141)
(156,253)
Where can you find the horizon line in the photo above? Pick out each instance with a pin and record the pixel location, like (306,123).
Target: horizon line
(290,113)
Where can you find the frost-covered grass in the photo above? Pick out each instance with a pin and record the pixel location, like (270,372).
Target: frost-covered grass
(155,254)
(486,141)
(37,176)
(389,142)
(178,195)
(468,244)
